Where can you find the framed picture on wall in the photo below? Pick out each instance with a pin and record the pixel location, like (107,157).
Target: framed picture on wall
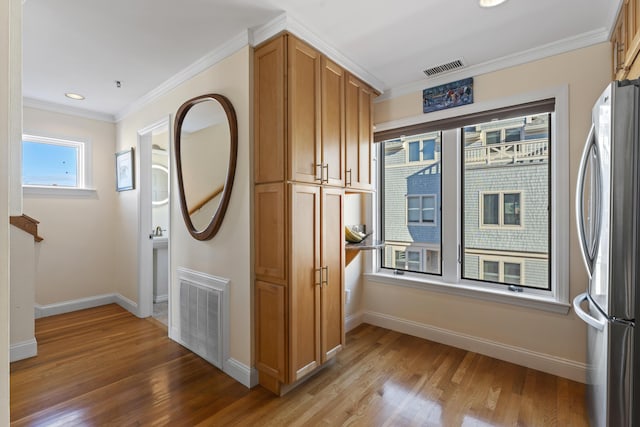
(124,170)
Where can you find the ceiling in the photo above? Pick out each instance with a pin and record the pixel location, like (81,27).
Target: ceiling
(85,46)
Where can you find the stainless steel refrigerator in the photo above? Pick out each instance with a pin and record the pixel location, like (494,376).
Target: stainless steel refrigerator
(608,220)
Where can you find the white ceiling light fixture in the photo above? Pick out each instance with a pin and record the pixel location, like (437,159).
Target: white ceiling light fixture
(491,3)
(75,96)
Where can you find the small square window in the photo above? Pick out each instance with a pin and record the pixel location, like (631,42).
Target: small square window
(512,208)
(493,137)
(512,135)
(491,209)
(414,151)
(491,271)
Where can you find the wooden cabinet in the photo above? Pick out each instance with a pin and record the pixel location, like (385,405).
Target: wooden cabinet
(359,134)
(299,321)
(299,170)
(625,41)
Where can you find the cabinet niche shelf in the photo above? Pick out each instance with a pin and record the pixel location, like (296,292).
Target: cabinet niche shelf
(367,244)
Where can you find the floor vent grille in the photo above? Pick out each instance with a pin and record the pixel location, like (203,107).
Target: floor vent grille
(444,68)
(202,314)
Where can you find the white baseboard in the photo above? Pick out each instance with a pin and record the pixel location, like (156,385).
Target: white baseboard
(126,303)
(570,369)
(23,350)
(83,303)
(161,298)
(353,321)
(240,372)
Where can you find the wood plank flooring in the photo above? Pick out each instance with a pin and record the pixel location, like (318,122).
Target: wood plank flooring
(105,367)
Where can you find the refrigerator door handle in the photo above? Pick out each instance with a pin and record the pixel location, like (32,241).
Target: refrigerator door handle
(591,321)
(588,249)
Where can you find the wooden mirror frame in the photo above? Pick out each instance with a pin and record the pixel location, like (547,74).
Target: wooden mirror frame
(216,220)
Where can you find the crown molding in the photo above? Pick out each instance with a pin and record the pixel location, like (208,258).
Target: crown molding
(65,109)
(227,49)
(285,22)
(550,49)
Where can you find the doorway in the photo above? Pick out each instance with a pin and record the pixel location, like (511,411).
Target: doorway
(154,147)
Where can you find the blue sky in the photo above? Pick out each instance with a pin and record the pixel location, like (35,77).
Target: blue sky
(49,164)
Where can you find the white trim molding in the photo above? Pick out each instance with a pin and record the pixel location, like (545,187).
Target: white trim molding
(212,58)
(23,350)
(245,375)
(83,303)
(559,366)
(540,52)
(285,22)
(65,109)
(353,321)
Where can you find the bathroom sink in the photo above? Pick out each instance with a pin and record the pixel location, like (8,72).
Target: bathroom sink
(160,241)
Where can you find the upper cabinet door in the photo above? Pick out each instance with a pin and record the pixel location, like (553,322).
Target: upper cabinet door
(359,134)
(332,85)
(269,112)
(305,160)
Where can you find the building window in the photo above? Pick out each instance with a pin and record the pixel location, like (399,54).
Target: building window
(421,209)
(407,259)
(54,163)
(500,209)
(501,271)
(422,149)
(473,194)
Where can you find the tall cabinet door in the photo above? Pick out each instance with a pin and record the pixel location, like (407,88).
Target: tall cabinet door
(332,85)
(269,111)
(305,163)
(304,284)
(359,134)
(332,261)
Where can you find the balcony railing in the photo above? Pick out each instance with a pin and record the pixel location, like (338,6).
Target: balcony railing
(534,150)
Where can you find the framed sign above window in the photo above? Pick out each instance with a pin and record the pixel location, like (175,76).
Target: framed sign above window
(448,95)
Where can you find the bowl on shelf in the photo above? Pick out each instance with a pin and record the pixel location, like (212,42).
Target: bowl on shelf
(353,236)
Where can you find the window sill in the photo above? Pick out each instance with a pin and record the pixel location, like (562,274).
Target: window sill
(538,302)
(61,192)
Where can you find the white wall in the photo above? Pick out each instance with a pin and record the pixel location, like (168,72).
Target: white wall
(22,295)
(10,105)
(557,339)
(229,253)
(76,259)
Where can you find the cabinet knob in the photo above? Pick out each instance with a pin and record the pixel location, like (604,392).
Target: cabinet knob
(319,282)
(324,276)
(348,181)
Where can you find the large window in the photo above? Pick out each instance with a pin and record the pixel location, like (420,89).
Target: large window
(412,201)
(488,187)
(50,162)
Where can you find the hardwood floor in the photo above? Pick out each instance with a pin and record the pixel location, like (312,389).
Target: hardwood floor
(104,366)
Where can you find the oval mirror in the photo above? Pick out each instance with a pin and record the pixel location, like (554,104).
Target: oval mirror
(159,185)
(206,146)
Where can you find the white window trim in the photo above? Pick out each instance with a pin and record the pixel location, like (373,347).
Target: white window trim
(421,222)
(556,300)
(85,168)
(501,225)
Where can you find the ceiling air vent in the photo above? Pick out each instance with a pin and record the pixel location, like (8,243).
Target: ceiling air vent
(444,68)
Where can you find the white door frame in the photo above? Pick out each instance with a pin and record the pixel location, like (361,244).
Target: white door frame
(145,224)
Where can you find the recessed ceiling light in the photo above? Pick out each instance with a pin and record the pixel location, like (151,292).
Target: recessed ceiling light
(75,96)
(491,3)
